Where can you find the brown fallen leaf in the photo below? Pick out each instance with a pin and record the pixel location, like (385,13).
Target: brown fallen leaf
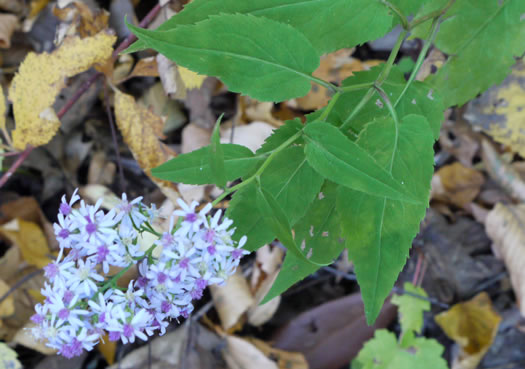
(432,63)
(232,300)
(77,18)
(2,114)
(28,209)
(8,23)
(501,172)
(332,334)
(101,171)
(190,346)
(285,359)
(107,348)
(267,265)
(334,67)
(456,184)
(250,110)
(30,239)
(473,325)
(457,138)
(7,307)
(142,132)
(505,225)
(41,77)
(242,354)
(145,67)
(93,192)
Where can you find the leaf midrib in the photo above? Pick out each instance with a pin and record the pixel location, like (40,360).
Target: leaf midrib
(239,56)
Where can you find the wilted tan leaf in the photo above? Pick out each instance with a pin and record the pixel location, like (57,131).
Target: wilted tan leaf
(7,307)
(41,77)
(505,225)
(241,354)
(503,173)
(93,192)
(456,184)
(267,265)
(285,359)
(500,111)
(142,131)
(30,240)
(146,67)
(10,262)
(8,23)
(232,300)
(473,325)
(191,79)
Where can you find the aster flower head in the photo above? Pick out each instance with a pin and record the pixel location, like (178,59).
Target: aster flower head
(83,302)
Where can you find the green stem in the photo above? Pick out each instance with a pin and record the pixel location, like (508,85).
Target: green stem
(435,14)
(393,113)
(359,86)
(391,59)
(404,21)
(324,83)
(420,59)
(346,124)
(257,174)
(378,82)
(329,107)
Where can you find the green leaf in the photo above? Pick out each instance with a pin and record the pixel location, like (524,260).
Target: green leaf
(252,55)
(383,352)
(379,231)
(408,7)
(281,135)
(275,218)
(216,156)
(320,231)
(194,167)
(292,271)
(246,216)
(411,309)
(288,175)
(345,28)
(342,161)
(482,39)
(420,99)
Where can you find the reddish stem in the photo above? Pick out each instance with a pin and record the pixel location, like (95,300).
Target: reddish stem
(85,86)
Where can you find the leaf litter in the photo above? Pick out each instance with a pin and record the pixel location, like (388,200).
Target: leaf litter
(470,242)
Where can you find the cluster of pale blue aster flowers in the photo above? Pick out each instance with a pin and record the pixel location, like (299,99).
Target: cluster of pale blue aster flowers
(83,304)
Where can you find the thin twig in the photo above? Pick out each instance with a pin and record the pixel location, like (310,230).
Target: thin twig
(85,86)
(122,183)
(20,283)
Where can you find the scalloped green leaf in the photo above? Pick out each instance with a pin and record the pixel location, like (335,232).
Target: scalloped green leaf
(379,231)
(345,28)
(482,38)
(252,55)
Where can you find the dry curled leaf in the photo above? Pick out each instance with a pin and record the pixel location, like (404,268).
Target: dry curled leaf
(456,184)
(284,359)
(501,172)
(473,325)
(505,225)
(41,77)
(142,132)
